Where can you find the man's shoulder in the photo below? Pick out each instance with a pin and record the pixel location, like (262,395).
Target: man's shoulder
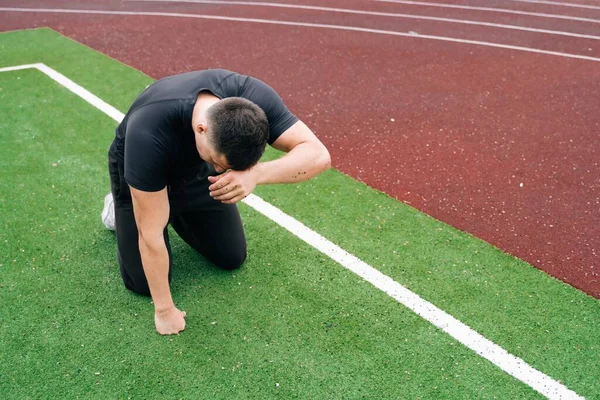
(186,86)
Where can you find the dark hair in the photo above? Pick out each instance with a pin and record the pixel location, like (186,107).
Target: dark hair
(240,131)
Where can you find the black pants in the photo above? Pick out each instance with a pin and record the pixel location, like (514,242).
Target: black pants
(212,228)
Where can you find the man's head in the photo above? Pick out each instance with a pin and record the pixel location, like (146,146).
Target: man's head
(235,134)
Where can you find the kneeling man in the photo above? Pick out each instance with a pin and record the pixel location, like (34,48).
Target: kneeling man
(186,152)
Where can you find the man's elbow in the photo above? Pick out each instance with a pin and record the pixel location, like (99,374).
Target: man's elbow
(324,161)
(151,239)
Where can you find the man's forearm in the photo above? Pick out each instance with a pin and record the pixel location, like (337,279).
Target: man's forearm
(155,260)
(301,163)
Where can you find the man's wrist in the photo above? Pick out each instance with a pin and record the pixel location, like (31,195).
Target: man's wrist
(163,308)
(256,173)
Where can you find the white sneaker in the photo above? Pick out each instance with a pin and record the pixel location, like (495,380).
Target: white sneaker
(108,213)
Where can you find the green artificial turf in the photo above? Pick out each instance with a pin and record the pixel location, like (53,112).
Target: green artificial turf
(290,316)
(290,323)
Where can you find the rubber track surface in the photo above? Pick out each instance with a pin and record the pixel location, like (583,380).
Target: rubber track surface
(499,143)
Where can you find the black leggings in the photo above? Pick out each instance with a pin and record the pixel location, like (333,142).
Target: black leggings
(212,228)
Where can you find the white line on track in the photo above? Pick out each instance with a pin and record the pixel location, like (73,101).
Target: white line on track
(557,3)
(512,365)
(305,24)
(491,9)
(376,13)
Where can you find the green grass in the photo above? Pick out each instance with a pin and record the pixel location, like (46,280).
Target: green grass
(290,316)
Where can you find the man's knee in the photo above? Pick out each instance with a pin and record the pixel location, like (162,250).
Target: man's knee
(139,289)
(136,282)
(231,259)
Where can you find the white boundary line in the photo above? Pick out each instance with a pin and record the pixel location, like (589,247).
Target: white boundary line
(490,9)
(512,365)
(305,24)
(375,13)
(73,87)
(556,3)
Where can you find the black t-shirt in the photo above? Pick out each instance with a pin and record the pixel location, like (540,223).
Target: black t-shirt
(156,141)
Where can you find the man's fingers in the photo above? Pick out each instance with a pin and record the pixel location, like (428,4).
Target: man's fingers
(223,181)
(170,323)
(229,195)
(225,190)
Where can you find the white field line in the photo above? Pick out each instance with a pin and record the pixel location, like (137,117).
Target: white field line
(490,9)
(73,87)
(375,13)
(512,365)
(558,3)
(19,67)
(304,24)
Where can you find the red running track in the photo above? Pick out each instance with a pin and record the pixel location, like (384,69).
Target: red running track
(496,142)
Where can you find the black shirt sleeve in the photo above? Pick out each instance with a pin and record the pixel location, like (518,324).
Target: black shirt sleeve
(279,116)
(146,150)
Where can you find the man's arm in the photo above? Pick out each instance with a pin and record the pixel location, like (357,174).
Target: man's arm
(151,210)
(306,157)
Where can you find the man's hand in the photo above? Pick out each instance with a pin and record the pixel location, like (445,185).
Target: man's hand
(170,321)
(232,186)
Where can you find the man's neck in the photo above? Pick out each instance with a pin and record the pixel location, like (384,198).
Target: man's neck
(203,102)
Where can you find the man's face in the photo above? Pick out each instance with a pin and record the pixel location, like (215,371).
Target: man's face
(208,153)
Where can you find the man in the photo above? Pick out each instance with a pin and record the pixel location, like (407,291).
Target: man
(186,152)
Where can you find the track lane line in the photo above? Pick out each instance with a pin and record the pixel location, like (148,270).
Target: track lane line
(485,348)
(374,13)
(303,24)
(558,3)
(490,9)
